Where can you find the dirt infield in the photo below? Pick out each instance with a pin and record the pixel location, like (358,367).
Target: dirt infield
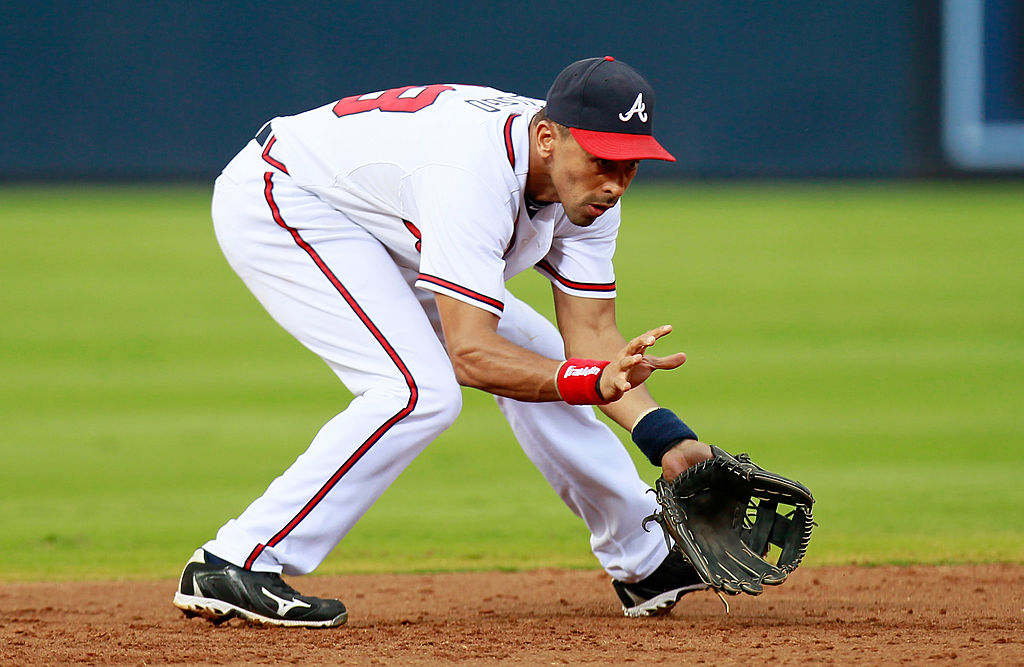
(885,615)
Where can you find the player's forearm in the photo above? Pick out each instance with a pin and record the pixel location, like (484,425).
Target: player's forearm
(485,360)
(498,366)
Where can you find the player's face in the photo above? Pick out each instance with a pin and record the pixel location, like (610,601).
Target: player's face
(586,185)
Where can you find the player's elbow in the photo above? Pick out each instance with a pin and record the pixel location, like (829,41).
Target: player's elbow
(467,364)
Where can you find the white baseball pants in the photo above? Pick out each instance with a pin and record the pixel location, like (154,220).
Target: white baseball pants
(337,290)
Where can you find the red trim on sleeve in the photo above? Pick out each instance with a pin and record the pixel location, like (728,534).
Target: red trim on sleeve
(465,291)
(545,266)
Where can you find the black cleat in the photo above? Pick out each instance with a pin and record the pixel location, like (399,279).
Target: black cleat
(658,593)
(219,591)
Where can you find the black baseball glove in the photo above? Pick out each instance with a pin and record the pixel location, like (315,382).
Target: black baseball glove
(723,516)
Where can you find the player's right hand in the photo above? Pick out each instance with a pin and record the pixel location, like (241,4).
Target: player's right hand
(632,367)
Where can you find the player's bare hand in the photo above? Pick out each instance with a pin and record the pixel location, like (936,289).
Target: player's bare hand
(684,454)
(634,365)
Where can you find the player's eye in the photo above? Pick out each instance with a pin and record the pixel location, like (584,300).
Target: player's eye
(609,165)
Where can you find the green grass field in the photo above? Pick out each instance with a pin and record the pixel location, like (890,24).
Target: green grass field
(866,339)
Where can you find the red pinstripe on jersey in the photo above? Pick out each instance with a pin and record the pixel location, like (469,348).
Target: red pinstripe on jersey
(545,266)
(268,192)
(510,150)
(415,231)
(271,161)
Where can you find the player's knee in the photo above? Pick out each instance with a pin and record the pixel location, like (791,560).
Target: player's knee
(440,401)
(433,401)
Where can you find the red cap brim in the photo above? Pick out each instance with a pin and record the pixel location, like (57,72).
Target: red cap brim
(615,146)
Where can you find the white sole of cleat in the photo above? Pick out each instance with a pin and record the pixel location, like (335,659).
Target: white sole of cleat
(662,604)
(219,611)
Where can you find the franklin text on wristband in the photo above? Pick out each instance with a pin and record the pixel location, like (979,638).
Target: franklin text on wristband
(579,381)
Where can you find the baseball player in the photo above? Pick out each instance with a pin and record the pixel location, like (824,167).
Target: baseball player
(379,230)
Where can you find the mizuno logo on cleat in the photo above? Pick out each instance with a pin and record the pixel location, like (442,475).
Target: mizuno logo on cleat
(284,606)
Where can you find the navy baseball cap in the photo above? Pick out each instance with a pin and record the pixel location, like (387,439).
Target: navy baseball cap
(608,107)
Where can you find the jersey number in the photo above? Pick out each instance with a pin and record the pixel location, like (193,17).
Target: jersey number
(406,100)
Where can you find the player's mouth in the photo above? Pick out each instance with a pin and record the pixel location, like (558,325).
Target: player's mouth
(597,209)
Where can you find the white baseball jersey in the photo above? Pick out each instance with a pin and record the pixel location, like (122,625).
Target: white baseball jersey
(331,217)
(437,174)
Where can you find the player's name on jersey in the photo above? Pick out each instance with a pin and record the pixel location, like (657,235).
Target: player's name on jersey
(498,103)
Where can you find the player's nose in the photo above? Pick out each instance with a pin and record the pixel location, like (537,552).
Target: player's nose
(619,178)
(615,185)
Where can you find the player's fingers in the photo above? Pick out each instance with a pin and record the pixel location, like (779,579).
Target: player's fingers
(647,339)
(638,344)
(658,332)
(615,378)
(623,366)
(666,363)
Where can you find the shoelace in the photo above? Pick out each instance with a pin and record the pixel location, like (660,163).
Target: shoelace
(278,585)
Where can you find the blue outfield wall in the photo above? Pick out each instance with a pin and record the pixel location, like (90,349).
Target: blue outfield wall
(745,89)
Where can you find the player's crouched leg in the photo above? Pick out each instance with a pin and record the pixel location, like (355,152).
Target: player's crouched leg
(380,433)
(428,405)
(219,590)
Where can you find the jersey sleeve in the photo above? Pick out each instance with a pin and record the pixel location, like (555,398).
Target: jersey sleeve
(465,227)
(580,260)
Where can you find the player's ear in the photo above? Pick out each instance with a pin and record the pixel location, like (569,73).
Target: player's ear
(547,137)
